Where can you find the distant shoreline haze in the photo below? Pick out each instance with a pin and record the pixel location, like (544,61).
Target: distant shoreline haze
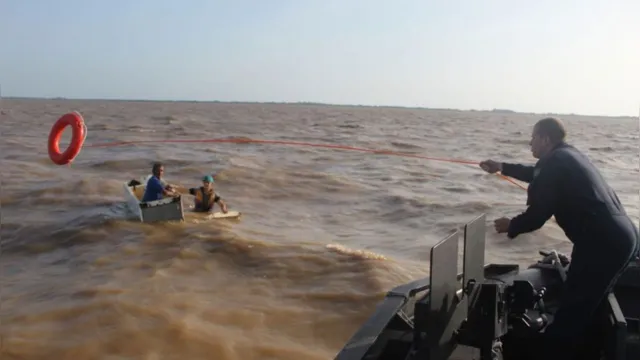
(311,103)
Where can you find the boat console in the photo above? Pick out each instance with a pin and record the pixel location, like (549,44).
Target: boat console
(498,310)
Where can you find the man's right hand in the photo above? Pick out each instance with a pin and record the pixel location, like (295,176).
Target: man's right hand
(491,166)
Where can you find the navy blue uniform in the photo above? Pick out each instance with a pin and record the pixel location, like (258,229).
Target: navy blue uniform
(567,185)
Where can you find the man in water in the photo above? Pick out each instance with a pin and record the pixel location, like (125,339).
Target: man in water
(564,183)
(206,197)
(156,188)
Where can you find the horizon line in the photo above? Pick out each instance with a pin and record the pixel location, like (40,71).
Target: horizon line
(494,110)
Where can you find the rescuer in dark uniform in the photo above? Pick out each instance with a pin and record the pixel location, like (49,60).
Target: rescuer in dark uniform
(565,184)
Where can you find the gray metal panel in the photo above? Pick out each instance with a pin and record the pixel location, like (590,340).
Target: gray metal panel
(444,284)
(616,344)
(165,212)
(474,245)
(409,290)
(360,343)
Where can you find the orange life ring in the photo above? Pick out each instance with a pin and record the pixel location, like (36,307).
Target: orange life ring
(76,122)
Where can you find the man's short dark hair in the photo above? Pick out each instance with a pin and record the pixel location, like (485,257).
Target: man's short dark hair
(553,128)
(156,166)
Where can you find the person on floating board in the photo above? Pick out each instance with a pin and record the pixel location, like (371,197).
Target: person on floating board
(564,183)
(206,197)
(157,188)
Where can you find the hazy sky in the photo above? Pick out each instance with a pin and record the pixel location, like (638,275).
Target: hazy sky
(580,56)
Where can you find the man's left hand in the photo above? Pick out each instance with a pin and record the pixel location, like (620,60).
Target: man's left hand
(502,224)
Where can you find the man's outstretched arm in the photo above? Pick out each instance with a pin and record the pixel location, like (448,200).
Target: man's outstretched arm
(518,171)
(544,200)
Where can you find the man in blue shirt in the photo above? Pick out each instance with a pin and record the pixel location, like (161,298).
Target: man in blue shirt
(156,189)
(564,183)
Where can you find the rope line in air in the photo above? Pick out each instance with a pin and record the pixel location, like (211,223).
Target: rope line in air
(76,121)
(299,143)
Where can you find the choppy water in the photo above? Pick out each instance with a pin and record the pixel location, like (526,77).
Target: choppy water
(324,233)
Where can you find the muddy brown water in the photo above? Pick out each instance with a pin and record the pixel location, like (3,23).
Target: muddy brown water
(324,233)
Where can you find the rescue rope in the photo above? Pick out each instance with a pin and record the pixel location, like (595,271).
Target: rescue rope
(299,143)
(292,143)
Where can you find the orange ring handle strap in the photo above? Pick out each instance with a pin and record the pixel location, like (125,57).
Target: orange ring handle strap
(79,129)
